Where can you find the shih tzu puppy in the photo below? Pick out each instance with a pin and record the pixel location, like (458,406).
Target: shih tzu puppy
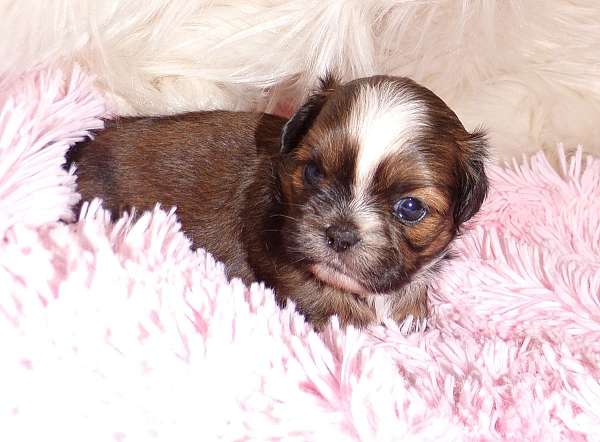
(348,208)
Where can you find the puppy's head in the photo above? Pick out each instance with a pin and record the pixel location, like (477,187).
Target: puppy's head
(377,176)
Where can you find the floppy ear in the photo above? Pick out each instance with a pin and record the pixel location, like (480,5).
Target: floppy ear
(298,125)
(473,181)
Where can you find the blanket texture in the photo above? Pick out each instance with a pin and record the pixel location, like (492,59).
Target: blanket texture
(513,65)
(121,332)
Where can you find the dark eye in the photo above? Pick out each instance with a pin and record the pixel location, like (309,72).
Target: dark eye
(410,210)
(312,173)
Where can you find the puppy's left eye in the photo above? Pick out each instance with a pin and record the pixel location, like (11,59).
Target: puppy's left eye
(312,173)
(410,210)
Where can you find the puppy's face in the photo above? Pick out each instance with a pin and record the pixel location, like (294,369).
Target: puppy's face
(377,176)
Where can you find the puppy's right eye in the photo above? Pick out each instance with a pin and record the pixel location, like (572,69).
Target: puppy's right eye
(312,173)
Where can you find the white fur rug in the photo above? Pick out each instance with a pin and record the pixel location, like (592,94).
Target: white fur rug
(529,70)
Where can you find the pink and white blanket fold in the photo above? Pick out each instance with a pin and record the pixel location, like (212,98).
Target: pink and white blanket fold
(121,332)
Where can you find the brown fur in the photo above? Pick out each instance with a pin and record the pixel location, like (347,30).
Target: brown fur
(238,182)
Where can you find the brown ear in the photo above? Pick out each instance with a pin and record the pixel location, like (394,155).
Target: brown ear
(472,179)
(298,125)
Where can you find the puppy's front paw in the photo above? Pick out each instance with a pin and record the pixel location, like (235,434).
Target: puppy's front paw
(411,303)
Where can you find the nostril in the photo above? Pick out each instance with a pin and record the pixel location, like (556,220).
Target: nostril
(341,238)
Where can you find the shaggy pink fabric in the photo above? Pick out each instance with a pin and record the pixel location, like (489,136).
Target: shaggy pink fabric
(121,332)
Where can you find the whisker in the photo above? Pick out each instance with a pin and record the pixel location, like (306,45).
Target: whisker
(298,260)
(293,204)
(283,216)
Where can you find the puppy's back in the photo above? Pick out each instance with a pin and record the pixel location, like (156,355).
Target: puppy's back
(200,162)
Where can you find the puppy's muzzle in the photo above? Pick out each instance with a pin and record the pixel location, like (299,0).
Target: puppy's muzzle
(341,237)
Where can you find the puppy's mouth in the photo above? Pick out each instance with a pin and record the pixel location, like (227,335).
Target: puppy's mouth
(338,279)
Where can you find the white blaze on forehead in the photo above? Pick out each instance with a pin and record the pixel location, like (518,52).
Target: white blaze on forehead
(382,119)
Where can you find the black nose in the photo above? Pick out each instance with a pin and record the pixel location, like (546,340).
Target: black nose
(341,237)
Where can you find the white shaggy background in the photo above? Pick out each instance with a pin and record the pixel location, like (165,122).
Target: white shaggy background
(528,70)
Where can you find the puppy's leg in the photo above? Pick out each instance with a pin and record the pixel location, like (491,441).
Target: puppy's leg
(319,302)
(412,300)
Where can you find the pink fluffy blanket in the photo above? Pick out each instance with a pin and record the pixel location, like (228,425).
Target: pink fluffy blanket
(121,332)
